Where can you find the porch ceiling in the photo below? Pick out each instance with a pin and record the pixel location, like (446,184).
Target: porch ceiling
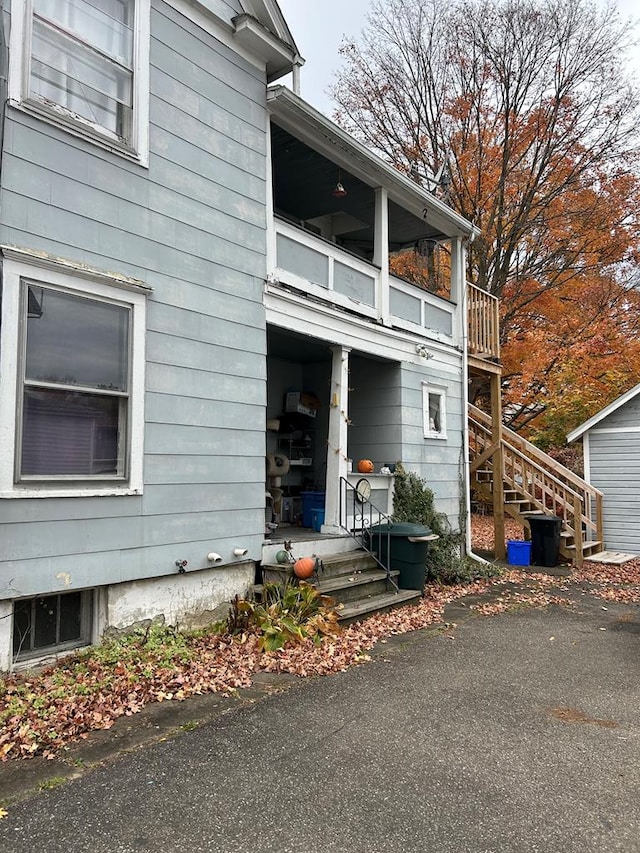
(290,346)
(304,180)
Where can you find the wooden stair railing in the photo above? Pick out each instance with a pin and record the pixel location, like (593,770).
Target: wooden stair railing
(537,481)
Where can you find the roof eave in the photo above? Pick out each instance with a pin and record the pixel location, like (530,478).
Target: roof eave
(279,57)
(603,413)
(306,123)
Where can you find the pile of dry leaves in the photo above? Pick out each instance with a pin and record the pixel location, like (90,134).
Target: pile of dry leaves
(612,582)
(482,537)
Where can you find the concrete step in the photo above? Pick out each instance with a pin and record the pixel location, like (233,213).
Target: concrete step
(363,607)
(357,585)
(344,563)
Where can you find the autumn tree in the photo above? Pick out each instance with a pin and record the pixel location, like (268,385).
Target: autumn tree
(520,113)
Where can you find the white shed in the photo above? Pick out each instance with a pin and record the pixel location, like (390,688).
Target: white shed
(611,442)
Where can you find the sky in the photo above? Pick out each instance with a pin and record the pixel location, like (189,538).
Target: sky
(318,27)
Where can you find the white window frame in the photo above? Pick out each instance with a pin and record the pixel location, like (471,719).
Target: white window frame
(428,390)
(78,280)
(18,88)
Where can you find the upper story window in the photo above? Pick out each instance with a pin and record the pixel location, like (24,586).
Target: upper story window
(84,63)
(72,395)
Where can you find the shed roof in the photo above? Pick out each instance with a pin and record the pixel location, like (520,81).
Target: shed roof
(603,413)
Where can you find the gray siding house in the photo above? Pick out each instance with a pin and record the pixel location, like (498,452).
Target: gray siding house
(199,328)
(611,447)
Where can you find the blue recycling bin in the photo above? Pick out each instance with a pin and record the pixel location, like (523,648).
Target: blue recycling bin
(518,553)
(311,501)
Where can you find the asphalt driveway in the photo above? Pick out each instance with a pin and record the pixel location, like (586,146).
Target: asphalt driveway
(519,732)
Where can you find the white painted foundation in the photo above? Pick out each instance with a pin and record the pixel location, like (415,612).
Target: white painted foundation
(183,600)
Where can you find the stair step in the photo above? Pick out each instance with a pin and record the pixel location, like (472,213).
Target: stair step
(586,546)
(358,585)
(360,608)
(344,563)
(347,563)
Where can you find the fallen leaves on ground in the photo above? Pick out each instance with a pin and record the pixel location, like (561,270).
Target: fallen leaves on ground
(516,600)
(608,573)
(482,537)
(611,582)
(41,713)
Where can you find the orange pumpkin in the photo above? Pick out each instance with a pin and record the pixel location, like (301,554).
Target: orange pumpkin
(365,466)
(304,567)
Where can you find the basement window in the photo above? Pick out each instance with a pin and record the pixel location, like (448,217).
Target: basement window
(51,623)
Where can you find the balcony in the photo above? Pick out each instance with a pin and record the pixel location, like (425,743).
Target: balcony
(343,221)
(321,269)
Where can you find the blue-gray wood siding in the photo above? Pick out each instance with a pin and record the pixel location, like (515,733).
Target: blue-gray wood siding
(374,431)
(192,226)
(615,470)
(385,410)
(438,461)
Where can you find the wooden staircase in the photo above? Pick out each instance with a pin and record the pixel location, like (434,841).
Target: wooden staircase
(353,579)
(533,483)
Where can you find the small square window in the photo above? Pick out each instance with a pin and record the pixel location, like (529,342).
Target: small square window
(434,411)
(87,66)
(50,623)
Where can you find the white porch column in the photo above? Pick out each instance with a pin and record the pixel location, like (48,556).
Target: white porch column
(381,252)
(271,224)
(458,288)
(337,440)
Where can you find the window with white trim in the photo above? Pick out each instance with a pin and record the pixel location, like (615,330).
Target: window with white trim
(434,411)
(72,352)
(84,63)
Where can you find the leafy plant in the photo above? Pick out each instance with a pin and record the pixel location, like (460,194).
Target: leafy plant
(288,613)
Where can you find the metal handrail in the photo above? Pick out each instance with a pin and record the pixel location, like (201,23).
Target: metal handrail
(363,511)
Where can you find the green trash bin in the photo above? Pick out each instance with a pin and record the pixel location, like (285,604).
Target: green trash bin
(407,543)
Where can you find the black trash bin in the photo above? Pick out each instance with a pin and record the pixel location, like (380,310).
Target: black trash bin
(545,539)
(407,543)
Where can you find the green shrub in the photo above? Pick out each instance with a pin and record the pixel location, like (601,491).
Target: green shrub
(413,501)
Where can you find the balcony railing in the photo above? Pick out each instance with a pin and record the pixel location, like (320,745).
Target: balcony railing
(324,270)
(483,320)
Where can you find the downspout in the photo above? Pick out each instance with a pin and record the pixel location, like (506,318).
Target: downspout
(295,75)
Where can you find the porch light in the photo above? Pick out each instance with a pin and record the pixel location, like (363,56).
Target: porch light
(339,191)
